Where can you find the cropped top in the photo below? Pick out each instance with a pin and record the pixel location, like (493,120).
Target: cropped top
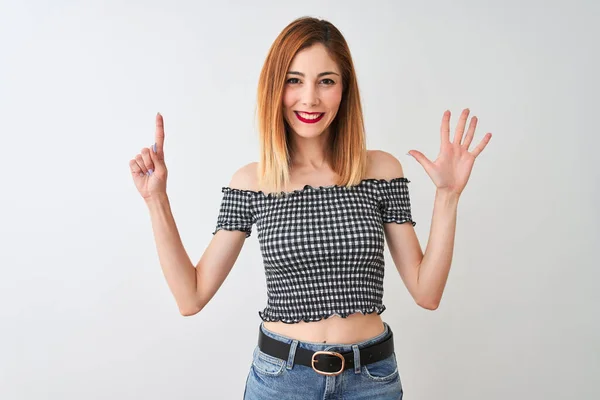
(322,247)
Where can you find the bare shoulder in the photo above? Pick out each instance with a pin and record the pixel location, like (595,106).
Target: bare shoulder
(245,177)
(383,165)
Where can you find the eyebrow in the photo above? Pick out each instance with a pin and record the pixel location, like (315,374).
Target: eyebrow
(318,76)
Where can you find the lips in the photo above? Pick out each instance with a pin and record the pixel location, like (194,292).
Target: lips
(312,120)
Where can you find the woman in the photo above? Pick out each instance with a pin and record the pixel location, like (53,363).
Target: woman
(323,206)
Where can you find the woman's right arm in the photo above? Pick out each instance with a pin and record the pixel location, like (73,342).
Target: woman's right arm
(192,287)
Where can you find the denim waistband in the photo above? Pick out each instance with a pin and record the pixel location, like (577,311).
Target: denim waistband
(339,347)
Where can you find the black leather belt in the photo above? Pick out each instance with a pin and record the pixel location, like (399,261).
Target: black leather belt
(327,362)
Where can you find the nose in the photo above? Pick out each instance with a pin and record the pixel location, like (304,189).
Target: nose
(309,96)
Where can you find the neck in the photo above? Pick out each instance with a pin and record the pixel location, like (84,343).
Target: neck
(310,153)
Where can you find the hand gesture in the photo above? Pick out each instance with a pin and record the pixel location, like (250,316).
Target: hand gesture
(452,168)
(148,168)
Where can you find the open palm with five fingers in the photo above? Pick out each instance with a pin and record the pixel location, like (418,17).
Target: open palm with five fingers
(148,168)
(452,168)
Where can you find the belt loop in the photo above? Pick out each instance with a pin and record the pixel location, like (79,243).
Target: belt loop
(292,354)
(356,358)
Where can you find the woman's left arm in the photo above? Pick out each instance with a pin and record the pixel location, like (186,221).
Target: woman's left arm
(434,268)
(426,275)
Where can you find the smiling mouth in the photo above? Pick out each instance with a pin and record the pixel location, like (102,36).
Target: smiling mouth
(309,118)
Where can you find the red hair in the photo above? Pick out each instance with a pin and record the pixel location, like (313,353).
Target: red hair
(347,147)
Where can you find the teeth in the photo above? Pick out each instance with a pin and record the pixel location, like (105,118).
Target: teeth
(309,116)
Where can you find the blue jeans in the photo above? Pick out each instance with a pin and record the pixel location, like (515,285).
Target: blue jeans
(274,378)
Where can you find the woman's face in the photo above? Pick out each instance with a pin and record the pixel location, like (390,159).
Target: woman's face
(313,92)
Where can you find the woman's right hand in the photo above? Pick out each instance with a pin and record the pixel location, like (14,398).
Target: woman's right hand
(148,168)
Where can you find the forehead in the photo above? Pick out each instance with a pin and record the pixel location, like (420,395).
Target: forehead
(312,60)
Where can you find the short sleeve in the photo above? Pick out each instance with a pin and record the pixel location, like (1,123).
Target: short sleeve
(235,212)
(394,200)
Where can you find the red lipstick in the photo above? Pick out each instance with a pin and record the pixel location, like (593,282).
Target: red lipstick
(310,121)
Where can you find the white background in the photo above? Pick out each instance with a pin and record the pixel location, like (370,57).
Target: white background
(85,311)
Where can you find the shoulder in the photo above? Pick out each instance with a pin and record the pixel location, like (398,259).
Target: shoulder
(245,177)
(383,165)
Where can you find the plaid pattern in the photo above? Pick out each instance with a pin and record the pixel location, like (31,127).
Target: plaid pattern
(322,247)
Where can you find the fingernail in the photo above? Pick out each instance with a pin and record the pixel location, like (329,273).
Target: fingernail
(150,171)
(154,147)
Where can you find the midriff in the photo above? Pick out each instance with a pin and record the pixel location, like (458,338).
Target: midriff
(355,328)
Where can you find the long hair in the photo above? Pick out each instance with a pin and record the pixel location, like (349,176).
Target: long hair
(347,147)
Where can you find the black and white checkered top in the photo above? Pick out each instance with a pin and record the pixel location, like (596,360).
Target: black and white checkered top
(322,247)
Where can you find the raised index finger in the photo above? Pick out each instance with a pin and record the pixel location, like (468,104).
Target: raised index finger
(160,134)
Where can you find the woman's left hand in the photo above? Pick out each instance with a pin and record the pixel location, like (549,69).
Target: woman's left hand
(452,168)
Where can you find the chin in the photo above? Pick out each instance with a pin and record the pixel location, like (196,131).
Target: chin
(309,133)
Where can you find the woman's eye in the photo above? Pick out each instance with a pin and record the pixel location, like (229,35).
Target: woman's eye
(326,81)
